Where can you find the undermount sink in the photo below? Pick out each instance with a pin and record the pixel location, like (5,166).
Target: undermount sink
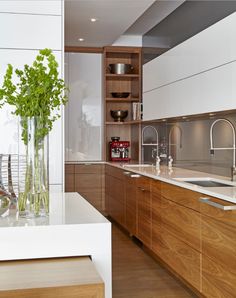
(206,182)
(143,165)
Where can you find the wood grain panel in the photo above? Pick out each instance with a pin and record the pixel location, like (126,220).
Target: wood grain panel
(89,168)
(144,214)
(156,223)
(228,217)
(184,223)
(156,186)
(115,172)
(69,168)
(181,196)
(218,281)
(183,259)
(219,242)
(69,182)
(131,206)
(88,182)
(51,278)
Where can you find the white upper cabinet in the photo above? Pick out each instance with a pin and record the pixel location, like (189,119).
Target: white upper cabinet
(208,49)
(53,7)
(211,91)
(30,31)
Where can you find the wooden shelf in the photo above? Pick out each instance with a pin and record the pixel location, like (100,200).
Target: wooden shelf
(124,76)
(113,99)
(123,123)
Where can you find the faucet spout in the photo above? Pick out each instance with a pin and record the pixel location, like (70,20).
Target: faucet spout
(212,148)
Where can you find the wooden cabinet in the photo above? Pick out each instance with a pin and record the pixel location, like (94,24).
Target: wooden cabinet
(131,83)
(144,214)
(218,250)
(131,204)
(176,230)
(115,196)
(87,180)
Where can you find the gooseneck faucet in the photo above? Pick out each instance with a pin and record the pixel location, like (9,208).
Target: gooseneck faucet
(212,148)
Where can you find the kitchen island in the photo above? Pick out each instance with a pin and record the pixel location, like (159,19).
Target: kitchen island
(73,228)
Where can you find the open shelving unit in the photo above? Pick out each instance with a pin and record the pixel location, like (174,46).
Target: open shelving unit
(129,130)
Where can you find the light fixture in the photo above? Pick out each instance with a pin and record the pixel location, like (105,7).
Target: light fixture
(80,39)
(184,117)
(212,114)
(93,20)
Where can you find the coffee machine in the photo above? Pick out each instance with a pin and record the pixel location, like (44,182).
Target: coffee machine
(119,150)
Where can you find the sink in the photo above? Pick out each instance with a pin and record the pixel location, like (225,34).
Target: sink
(143,165)
(206,182)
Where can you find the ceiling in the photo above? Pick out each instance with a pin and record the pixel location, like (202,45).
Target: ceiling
(114,17)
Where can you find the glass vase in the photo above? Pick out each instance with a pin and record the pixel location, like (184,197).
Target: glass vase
(33,198)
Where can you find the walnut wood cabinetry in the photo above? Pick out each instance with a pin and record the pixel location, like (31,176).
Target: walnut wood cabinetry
(114,192)
(144,215)
(218,250)
(131,203)
(132,82)
(176,231)
(87,180)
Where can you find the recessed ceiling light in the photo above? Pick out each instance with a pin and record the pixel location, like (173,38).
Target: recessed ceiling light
(93,20)
(80,39)
(212,114)
(184,117)
(163,120)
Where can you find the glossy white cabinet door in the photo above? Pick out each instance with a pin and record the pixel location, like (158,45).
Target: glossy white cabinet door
(83,131)
(210,48)
(30,31)
(32,6)
(211,91)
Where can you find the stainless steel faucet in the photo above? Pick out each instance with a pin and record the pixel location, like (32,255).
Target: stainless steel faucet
(233,169)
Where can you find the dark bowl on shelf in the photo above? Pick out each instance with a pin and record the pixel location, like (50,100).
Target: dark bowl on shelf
(120,94)
(119,115)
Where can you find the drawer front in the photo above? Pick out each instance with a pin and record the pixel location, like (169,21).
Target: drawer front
(224,216)
(219,242)
(156,187)
(69,169)
(89,169)
(115,172)
(144,183)
(144,230)
(184,223)
(218,281)
(181,196)
(183,259)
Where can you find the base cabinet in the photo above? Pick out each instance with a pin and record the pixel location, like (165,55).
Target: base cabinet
(218,250)
(87,180)
(131,204)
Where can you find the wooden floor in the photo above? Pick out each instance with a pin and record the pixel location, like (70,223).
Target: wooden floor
(137,275)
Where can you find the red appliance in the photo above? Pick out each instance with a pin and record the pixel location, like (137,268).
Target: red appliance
(119,150)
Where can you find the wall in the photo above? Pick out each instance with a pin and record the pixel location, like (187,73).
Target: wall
(26,27)
(190,147)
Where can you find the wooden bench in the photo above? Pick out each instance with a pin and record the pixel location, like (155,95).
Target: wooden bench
(50,278)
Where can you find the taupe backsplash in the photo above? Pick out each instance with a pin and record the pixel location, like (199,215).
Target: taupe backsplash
(188,142)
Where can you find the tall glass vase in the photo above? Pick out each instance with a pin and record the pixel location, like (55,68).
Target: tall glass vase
(33,197)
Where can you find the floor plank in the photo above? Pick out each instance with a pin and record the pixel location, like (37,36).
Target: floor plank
(137,275)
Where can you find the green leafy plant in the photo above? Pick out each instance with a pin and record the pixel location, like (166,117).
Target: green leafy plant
(38,92)
(37,97)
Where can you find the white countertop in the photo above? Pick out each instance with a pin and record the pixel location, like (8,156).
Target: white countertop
(165,175)
(65,209)
(73,228)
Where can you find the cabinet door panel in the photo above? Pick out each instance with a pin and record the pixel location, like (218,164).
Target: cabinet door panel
(218,281)
(185,223)
(131,207)
(86,182)
(156,223)
(183,259)
(219,242)
(144,216)
(25,31)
